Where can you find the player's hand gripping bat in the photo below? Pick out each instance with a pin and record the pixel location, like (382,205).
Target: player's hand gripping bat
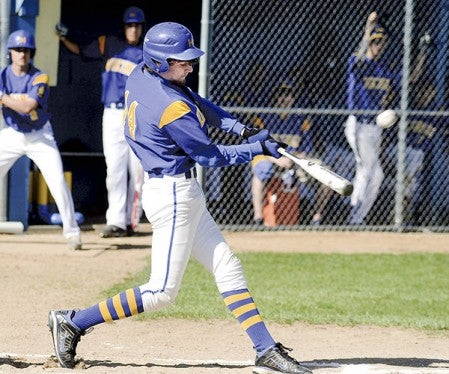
(321,173)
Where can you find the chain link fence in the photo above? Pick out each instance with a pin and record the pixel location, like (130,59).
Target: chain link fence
(284,65)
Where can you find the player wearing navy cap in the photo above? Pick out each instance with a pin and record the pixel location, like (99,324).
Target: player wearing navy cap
(24,95)
(120,55)
(370,85)
(166,125)
(291,128)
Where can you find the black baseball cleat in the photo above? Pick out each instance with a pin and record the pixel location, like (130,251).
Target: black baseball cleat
(277,360)
(129,230)
(65,336)
(112,231)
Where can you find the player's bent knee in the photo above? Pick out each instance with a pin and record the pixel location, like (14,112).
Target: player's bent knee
(228,273)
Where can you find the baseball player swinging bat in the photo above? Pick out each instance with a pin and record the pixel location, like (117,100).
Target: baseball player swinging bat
(321,173)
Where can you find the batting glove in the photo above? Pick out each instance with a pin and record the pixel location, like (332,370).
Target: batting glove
(254,135)
(61,29)
(270,147)
(424,42)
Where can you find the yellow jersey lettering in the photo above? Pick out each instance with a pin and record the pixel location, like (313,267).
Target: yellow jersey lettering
(132,119)
(129,116)
(17,96)
(376,83)
(33,115)
(423,128)
(121,66)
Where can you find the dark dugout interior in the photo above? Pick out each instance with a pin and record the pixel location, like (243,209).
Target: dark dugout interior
(75,103)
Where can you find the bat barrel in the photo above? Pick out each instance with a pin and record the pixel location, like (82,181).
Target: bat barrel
(321,173)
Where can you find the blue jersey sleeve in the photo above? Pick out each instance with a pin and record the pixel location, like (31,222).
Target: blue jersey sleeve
(39,89)
(195,142)
(95,49)
(219,118)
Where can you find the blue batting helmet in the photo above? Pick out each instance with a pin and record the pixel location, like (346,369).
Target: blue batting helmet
(168,40)
(133,14)
(22,39)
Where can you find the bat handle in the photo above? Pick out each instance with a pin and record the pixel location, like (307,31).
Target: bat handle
(282,151)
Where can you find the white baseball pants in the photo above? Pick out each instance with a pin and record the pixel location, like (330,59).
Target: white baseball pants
(182,226)
(124,173)
(40,146)
(365,140)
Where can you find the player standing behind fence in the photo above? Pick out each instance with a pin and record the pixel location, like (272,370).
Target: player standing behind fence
(422,130)
(24,94)
(369,88)
(167,127)
(121,55)
(293,129)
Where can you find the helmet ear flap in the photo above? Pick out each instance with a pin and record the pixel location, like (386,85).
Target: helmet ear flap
(157,64)
(161,67)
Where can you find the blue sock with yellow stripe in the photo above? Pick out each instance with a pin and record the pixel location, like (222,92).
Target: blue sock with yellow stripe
(242,306)
(125,304)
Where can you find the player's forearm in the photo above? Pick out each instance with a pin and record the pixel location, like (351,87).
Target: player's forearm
(218,155)
(20,105)
(218,117)
(71,46)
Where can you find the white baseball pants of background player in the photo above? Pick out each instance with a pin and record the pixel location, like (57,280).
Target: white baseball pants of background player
(365,140)
(124,193)
(40,146)
(182,226)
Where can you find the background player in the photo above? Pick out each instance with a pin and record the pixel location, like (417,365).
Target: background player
(24,94)
(120,54)
(167,126)
(369,88)
(292,129)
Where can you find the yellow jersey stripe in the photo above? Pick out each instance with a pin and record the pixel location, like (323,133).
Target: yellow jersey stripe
(131,301)
(41,78)
(251,321)
(173,112)
(118,306)
(243,309)
(258,159)
(238,297)
(105,311)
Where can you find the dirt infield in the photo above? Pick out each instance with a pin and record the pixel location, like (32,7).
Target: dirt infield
(39,273)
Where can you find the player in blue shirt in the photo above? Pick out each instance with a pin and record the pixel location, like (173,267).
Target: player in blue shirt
(370,85)
(290,128)
(166,125)
(120,55)
(24,95)
(422,131)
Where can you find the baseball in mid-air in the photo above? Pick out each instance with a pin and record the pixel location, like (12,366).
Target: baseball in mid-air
(387,118)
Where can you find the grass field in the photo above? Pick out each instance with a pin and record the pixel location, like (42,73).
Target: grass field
(406,290)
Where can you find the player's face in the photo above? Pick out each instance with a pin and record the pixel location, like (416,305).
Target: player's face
(179,70)
(376,47)
(20,57)
(285,99)
(133,32)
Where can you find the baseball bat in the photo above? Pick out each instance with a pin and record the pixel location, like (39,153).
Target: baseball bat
(321,173)
(11,227)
